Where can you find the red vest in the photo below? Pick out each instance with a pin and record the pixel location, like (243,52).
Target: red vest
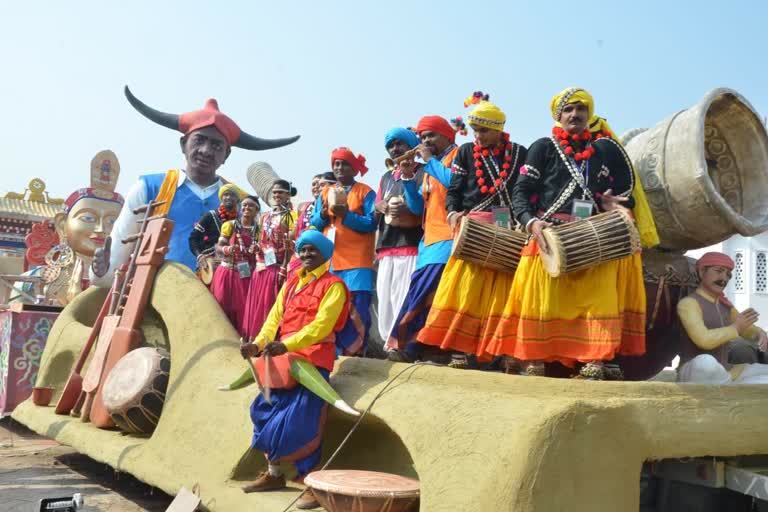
(352,249)
(300,308)
(436,228)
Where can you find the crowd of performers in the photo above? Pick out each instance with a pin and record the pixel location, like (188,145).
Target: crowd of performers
(298,282)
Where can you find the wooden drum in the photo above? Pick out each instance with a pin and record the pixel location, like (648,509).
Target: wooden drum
(341,490)
(207,269)
(489,245)
(134,391)
(589,242)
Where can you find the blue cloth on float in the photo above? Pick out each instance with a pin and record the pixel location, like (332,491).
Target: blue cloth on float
(413,315)
(291,428)
(353,337)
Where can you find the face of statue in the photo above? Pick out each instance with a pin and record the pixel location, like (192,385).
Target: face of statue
(714,279)
(574,117)
(88,224)
(206,150)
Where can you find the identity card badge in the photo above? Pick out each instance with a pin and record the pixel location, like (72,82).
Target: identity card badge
(581,209)
(502,217)
(270,258)
(244,270)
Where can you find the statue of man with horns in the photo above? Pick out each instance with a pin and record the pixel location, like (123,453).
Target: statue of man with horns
(208,136)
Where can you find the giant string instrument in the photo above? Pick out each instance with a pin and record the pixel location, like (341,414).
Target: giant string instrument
(120,331)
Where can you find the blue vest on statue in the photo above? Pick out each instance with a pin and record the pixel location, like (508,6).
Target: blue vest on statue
(185,210)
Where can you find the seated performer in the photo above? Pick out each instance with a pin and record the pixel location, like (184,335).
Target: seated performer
(273,252)
(310,308)
(470,297)
(208,138)
(711,323)
(587,316)
(350,224)
(399,233)
(206,231)
(425,197)
(237,250)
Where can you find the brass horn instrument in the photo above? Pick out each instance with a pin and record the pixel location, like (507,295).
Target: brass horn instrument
(392,164)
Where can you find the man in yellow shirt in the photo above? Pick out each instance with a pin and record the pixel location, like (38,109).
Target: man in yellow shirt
(310,309)
(710,323)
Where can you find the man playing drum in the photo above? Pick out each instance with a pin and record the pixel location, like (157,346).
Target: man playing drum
(310,310)
(590,315)
(470,297)
(711,323)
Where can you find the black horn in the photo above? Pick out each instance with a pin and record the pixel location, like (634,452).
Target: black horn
(162,118)
(248,141)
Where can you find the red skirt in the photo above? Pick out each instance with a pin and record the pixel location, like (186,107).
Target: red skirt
(230,291)
(261,297)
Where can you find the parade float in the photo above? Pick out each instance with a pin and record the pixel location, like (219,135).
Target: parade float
(476,441)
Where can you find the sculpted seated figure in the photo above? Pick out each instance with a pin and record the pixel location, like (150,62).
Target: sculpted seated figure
(711,324)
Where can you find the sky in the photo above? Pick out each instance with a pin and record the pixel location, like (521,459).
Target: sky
(343,73)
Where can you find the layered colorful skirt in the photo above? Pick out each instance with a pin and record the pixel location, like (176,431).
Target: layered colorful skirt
(230,291)
(262,294)
(468,299)
(291,428)
(589,315)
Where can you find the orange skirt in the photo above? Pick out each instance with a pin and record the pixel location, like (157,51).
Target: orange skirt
(589,315)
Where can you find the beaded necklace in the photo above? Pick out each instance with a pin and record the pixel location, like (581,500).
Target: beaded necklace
(239,247)
(484,159)
(225,214)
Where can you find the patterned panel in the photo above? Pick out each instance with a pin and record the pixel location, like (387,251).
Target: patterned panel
(722,168)
(739,273)
(761,265)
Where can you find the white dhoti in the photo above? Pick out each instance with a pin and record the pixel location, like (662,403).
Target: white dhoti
(392,282)
(705,369)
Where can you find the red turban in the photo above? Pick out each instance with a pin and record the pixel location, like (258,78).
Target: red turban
(715,259)
(357,162)
(210,116)
(436,124)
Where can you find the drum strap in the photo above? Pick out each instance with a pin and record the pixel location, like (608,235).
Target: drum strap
(575,174)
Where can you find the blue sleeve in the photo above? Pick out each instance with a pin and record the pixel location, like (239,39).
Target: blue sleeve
(365,223)
(437,170)
(316,219)
(413,199)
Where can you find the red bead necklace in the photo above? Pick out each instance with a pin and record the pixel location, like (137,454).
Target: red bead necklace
(566,141)
(494,175)
(225,214)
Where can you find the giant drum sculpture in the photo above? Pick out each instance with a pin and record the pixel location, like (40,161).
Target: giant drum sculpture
(705,171)
(134,391)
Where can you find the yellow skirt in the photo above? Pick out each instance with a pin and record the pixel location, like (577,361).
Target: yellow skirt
(468,300)
(589,315)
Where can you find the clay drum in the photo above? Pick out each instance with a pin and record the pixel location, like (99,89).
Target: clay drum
(342,490)
(134,391)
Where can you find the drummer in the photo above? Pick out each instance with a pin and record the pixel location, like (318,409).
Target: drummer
(711,324)
(290,428)
(590,316)
(470,297)
(206,231)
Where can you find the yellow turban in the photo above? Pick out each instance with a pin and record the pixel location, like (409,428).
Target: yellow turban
(568,96)
(231,187)
(649,237)
(485,114)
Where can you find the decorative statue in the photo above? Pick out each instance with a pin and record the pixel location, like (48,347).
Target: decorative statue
(83,227)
